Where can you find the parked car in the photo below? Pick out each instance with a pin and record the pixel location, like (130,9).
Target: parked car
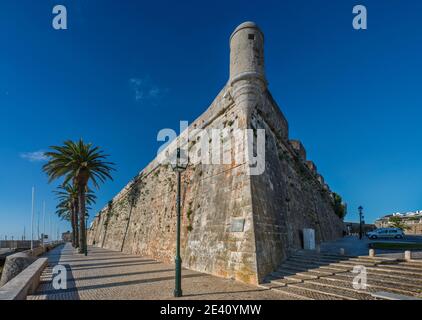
(395,233)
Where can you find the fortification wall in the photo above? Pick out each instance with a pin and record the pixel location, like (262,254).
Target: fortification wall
(288,197)
(141,219)
(234,224)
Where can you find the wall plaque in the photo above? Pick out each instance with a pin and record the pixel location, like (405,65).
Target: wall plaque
(237,225)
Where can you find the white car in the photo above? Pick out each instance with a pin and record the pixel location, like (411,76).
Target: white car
(395,233)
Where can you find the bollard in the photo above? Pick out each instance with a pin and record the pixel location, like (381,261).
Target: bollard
(371,253)
(407,255)
(342,251)
(318,248)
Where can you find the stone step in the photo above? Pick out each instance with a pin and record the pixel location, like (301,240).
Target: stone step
(299,277)
(298,270)
(346,286)
(401,267)
(331,260)
(411,263)
(391,296)
(373,285)
(311,262)
(314,259)
(303,266)
(354,263)
(395,271)
(324,270)
(381,268)
(268,286)
(284,282)
(324,255)
(303,294)
(338,292)
(377,258)
(382,276)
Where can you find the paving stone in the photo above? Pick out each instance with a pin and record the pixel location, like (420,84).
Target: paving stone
(106,274)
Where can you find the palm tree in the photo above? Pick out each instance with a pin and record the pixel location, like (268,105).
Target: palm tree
(79,163)
(68,207)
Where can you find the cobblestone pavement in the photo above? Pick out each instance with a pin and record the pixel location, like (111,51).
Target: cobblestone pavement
(111,275)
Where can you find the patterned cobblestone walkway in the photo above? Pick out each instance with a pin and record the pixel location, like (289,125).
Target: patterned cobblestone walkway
(111,275)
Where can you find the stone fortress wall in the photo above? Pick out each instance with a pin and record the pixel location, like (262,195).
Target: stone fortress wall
(234,224)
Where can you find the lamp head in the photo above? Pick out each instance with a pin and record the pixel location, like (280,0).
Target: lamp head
(179,160)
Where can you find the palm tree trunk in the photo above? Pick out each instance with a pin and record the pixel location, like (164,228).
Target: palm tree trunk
(76,224)
(73,226)
(82,212)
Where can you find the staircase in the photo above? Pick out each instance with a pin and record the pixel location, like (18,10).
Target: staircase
(308,275)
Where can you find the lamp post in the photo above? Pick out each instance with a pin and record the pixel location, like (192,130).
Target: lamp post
(179,164)
(361,217)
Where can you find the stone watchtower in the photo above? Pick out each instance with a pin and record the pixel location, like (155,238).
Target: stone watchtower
(247,73)
(235,225)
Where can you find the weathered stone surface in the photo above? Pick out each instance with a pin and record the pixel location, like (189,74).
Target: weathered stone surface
(311,166)
(274,206)
(24,283)
(298,148)
(14,265)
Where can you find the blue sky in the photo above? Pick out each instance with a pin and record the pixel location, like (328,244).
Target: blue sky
(126,69)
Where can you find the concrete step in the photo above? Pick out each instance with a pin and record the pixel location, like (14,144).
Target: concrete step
(337,292)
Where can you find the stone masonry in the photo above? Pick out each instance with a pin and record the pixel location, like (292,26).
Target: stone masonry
(234,225)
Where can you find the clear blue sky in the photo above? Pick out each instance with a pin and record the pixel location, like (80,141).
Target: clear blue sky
(126,69)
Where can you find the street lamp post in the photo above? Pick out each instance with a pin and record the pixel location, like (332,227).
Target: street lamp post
(360,221)
(179,164)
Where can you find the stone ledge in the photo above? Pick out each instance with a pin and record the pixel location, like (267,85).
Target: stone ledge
(25,282)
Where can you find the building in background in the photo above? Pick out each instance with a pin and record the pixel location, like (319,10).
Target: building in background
(67,236)
(352,228)
(412,221)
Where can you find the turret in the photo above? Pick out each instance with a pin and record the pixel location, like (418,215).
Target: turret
(247,53)
(247,77)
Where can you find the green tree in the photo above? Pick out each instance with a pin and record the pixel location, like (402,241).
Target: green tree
(397,222)
(68,207)
(78,163)
(339,206)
